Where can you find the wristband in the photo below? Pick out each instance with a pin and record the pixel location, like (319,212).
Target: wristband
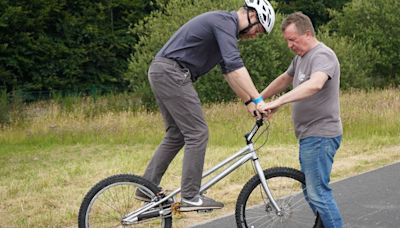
(248,102)
(257,100)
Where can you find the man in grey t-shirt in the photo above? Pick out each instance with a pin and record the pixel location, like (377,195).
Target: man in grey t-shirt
(199,45)
(315,75)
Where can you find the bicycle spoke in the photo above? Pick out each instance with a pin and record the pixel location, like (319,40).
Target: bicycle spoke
(112,199)
(287,190)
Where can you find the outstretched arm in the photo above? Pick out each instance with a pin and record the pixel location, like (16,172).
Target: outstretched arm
(278,85)
(306,89)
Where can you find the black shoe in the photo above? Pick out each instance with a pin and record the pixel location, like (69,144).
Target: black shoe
(142,196)
(199,203)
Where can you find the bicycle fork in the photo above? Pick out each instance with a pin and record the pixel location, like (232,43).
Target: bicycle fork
(264,184)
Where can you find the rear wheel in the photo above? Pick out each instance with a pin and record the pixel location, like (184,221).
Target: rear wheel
(253,208)
(113,198)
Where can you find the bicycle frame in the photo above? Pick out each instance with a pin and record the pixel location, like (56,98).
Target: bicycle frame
(244,155)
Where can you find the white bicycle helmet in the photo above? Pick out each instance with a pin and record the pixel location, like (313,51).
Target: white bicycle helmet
(265,12)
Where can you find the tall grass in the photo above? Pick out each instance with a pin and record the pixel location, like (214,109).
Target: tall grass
(10,108)
(117,120)
(4,112)
(50,158)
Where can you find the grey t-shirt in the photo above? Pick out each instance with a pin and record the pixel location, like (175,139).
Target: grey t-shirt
(319,114)
(205,41)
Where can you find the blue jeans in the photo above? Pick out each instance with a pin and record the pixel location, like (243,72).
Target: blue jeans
(316,159)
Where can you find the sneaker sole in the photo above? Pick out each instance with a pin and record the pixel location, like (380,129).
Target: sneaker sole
(185,209)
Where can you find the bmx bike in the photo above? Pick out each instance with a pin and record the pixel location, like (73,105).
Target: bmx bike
(271,198)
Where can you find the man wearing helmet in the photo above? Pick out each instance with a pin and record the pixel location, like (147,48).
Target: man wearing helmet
(199,45)
(315,76)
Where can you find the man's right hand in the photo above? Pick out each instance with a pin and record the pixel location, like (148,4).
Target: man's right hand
(252,109)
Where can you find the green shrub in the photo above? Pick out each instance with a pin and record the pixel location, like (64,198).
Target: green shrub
(374,24)
(355,60)
(318,11)
(66,45)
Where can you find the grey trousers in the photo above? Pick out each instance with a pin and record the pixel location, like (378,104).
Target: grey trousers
(184,125)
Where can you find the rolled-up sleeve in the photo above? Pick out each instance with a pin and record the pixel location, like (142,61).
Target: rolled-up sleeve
(228,45)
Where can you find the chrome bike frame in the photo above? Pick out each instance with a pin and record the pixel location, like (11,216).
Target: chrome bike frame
(244,155)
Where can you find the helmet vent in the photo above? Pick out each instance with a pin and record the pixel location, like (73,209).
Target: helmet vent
(265,13)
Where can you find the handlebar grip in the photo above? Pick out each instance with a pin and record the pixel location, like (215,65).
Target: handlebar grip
(260,122)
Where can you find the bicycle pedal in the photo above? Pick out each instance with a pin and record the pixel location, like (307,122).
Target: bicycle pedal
(204,211)
(175,208)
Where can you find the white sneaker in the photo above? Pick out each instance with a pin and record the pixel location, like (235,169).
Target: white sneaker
(199,203)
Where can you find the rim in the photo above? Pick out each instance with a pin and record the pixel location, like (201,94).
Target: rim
(109,199)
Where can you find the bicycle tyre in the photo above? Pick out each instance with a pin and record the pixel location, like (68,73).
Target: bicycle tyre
(112,198)
(286,185)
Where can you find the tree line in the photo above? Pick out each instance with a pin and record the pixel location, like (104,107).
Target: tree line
(67,45)
(104,45)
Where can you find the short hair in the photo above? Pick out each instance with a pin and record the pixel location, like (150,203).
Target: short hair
(302,22)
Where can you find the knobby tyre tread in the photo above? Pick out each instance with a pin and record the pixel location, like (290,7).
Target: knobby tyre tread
(120,178)
(255,182)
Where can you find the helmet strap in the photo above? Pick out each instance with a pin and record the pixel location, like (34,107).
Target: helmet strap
(250,25)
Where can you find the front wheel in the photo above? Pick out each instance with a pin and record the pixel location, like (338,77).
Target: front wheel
(253,208)
(106,204)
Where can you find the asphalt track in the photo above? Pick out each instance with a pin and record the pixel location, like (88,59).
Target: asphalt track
(369,200)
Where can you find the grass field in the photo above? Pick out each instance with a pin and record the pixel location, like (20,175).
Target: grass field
(52,158)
